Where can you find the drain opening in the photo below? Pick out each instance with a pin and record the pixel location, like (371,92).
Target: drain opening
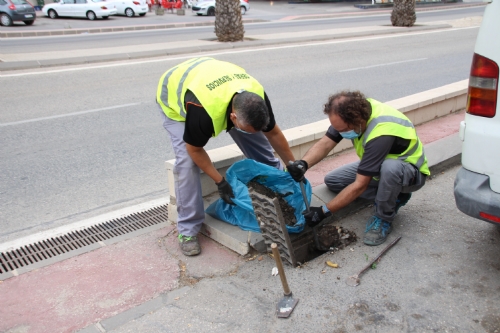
(38,252)
(296,249)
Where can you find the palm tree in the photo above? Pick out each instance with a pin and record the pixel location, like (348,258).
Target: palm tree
(403,13)
(228,24)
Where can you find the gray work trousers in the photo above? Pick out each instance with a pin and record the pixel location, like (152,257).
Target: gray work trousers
(395,177)
(190,211)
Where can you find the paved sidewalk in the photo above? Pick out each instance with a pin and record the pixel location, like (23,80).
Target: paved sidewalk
(114,285)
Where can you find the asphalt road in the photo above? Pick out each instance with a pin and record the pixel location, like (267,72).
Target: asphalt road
(88,140)
(276,25)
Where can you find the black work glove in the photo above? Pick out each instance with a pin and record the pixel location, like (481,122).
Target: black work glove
(315,216)
(297,169)
(225,191)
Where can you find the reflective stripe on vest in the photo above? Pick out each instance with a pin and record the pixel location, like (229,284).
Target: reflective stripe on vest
(166,77)
(213,82)
(386,120)
(181,85)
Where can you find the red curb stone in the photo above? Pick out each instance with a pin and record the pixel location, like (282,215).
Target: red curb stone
(79,291)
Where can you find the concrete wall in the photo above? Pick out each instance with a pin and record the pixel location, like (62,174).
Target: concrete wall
(419,108)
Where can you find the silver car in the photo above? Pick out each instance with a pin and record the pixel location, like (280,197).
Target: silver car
(16,10)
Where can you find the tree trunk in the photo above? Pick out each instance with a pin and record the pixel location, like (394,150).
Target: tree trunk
(228,24)
(403,13)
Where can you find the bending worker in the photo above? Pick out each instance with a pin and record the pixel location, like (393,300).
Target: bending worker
(392,161)
(200,98)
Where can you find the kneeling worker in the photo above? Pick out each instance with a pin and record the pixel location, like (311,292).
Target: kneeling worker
(199,99)
(392,161)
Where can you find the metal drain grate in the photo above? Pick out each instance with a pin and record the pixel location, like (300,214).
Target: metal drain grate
(37,253)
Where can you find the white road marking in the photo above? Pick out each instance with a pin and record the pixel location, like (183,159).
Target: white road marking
(258,49)
(380,65)
(66,115)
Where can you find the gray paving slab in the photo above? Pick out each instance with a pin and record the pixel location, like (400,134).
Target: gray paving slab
(226,234)
(441,276)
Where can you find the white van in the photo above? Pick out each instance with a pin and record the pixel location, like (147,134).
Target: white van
(477,184)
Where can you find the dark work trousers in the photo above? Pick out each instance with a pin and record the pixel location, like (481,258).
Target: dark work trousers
(395,177)
(190,211)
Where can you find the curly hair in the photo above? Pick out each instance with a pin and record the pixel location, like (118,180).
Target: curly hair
(251,110)
(350,106)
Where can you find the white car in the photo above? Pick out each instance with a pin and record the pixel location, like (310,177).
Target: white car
(477,183)
(130,8)
(90,9)
(207,7)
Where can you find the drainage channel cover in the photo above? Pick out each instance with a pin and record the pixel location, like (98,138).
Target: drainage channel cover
(272,225)
(51,250)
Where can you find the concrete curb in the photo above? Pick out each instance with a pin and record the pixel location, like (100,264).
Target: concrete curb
(62,32)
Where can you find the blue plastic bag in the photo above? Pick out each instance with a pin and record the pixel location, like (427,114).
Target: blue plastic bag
(242,215)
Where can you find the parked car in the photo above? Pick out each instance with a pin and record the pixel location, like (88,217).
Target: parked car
(207,7)
(477,184)
(16,10)
(90,9)
(130,8)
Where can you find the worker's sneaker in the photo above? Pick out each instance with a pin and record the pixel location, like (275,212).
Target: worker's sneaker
(402,200)
(376,231)
(189,245)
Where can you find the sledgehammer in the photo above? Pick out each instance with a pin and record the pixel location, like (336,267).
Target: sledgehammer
(286,305)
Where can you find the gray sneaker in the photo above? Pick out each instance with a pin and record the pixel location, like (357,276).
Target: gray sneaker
(189,245)
(376,231)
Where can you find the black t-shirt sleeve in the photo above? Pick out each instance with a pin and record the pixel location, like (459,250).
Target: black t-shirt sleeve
(376,151)
(272,121)
(199,127)
(333,134)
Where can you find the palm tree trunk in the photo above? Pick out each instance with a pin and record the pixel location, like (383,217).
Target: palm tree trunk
(403,13)
(228,24)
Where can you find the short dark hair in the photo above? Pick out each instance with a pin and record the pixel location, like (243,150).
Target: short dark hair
(350,106)
(251,110)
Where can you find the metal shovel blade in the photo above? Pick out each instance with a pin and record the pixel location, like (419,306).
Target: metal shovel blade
(285,306)
(352,281)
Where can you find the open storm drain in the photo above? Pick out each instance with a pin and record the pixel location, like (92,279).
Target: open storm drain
(295,249)
(55,249)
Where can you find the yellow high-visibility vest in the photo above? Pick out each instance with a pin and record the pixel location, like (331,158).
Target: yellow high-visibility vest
(386,120)
(212,81)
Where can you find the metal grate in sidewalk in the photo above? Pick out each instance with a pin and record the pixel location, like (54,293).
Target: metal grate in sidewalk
(55,249)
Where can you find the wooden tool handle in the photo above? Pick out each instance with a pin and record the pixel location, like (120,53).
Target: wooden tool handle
(281,271)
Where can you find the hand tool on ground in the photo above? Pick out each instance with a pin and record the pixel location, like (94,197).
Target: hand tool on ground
(286,305)
(354,280)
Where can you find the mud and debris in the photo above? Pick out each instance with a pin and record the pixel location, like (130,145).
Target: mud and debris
(287,210)
(329,237)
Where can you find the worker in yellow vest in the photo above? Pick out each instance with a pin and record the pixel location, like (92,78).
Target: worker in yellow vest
(392,161)
(199,99)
